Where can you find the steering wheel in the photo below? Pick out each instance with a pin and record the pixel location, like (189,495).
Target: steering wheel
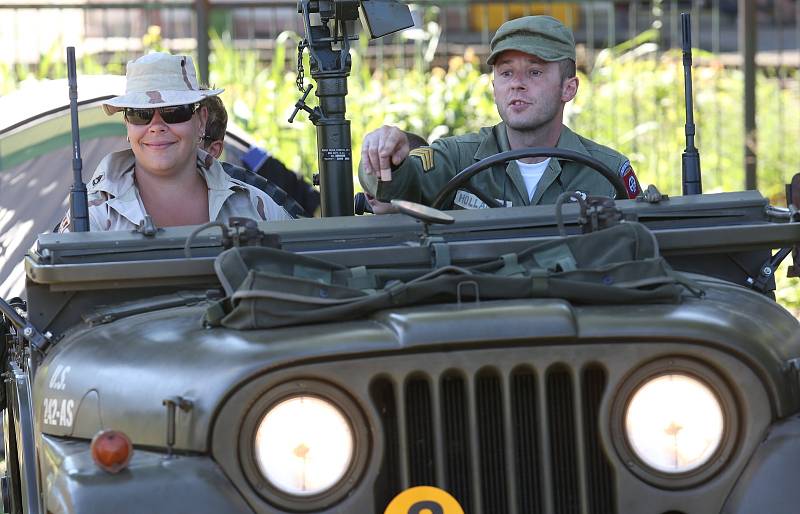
(462,177)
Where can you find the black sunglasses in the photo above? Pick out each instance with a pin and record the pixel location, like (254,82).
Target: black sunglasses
(170,115)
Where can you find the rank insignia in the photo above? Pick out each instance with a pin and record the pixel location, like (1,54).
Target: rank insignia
(425,154)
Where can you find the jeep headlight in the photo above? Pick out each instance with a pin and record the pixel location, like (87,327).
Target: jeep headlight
(674,423)
(304,445)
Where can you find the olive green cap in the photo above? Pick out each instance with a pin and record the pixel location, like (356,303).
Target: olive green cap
(542,36)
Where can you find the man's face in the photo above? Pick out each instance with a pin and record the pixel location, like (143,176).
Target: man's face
(528,91)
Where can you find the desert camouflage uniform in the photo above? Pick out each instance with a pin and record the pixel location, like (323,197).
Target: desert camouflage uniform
(115,204)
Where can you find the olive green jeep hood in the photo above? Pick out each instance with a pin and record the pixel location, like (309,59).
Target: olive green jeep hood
(117,375)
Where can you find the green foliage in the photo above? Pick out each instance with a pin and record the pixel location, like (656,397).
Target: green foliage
(632,100)
(152,40)
(430,103)
(636,106)
(261,98)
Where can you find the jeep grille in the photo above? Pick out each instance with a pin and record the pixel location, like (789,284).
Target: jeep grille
(534,434)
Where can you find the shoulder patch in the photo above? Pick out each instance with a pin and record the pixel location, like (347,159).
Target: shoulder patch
(97,179)
(628,177)
(425,155)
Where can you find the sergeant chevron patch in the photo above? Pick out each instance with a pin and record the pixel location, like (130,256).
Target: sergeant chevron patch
(425,154)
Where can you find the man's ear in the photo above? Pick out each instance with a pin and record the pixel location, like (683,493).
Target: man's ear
(569,88)
(215,148)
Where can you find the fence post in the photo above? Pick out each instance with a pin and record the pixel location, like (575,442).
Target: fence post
(202,8)
(748,30)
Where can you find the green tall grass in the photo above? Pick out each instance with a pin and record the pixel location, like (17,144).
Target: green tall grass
(632,100)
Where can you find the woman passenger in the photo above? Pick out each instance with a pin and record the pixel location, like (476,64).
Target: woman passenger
(166,174)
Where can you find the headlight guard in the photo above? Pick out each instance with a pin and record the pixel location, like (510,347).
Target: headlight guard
(694,370)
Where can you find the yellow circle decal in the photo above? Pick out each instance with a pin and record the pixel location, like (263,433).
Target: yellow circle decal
(424,500)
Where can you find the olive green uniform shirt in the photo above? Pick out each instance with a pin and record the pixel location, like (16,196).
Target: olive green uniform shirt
(427,169)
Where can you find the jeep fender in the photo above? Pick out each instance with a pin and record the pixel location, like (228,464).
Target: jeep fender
(770,481)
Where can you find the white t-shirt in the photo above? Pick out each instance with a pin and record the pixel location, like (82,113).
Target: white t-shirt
(532,173)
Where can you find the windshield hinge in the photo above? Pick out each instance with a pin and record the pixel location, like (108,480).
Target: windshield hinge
(147,227)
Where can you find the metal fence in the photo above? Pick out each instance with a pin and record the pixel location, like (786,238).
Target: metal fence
(760,37)
(116,29)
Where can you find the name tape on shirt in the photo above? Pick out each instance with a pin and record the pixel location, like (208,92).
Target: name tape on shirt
(425,155)
(467,200)
(628,177)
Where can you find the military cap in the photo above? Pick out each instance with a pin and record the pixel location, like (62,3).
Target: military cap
(542,36)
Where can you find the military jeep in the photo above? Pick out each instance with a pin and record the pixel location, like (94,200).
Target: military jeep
(327,365)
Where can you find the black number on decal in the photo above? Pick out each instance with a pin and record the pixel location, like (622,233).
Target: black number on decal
(433,507)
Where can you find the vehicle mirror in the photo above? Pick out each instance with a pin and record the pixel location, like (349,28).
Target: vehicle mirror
(423,212)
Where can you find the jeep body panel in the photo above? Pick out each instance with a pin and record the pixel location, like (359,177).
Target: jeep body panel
(439,392)
(154,483)
(140,354)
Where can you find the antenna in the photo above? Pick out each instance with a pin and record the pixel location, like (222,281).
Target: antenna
(692,183)
(78,202)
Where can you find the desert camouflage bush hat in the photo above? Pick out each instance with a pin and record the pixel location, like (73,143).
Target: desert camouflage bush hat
(159,80)
(542,36)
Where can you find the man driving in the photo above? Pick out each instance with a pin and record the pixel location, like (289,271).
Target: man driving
(533,63)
